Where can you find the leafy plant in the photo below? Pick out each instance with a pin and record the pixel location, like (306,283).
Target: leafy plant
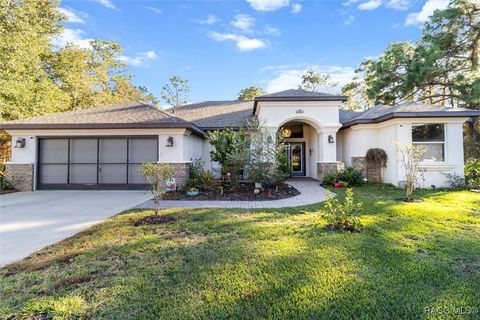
(224,143)
(156,174)
(410,157)
(200,178)
(5,184)
(343,216)
(349,175)
(472,172)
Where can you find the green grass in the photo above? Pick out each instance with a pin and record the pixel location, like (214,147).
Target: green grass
(218,263)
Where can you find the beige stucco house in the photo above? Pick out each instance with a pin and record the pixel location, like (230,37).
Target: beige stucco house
(102,148)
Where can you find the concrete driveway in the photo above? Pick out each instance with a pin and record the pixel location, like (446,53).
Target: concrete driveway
(31,220)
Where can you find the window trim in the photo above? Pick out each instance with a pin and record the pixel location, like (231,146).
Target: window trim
(444,142)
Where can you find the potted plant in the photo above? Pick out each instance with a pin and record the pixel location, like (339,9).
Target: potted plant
(192,192)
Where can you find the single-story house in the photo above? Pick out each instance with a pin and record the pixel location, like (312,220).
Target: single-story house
(103,147)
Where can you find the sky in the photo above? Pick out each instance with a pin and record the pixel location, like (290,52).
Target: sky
(222,47)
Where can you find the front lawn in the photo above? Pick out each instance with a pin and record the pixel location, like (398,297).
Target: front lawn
(218,263)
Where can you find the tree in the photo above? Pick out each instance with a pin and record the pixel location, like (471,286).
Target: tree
(176,92)
(250,93)
(312,80)
(156,174)
(410,157)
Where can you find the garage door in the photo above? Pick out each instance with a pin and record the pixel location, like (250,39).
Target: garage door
(94,163)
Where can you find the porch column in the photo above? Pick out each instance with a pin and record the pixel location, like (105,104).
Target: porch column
(327,146)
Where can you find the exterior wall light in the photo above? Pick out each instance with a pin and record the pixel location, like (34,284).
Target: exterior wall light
(20,143)
(170,142)
(330,139)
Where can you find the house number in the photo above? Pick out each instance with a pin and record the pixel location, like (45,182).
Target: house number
(299,111)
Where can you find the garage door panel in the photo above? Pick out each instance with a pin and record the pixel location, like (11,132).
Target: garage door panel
(54,174)
(113,174)
(134,177)
(54,151)
(94,162)
(83,150)
(113,151)
(142,150)
(83,173)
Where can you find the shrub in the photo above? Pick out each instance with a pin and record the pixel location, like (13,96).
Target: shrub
(342,216)
(454,181)
(472,173)
(156,175)
(5,184)
(200,178)
(350,175)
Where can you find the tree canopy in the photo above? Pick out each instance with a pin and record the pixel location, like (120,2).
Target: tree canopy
(251,93)
(38,78)
(312,81)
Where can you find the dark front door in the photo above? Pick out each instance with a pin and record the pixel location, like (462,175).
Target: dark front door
(296,157)
(94,163)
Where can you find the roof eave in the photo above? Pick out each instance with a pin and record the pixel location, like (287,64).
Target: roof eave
(46,126)
(425,114)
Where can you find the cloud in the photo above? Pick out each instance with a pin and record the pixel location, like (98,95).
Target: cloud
(242,43)
(72,17)
(285,77)
(153,9)
(419,18)
(272,30)
(243,22)
(347,20)
(399,4)
(211,19)
(268,5)
(374,4)
(139,59)
(107,3)
(296,8)
(370,5)
(74,36)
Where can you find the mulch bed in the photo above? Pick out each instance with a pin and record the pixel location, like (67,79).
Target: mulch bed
(154,219)
(243,193)
(7,191)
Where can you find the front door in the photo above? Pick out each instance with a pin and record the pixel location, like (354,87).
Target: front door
(296,156)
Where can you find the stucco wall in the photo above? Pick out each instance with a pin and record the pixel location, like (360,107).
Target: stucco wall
(358,139)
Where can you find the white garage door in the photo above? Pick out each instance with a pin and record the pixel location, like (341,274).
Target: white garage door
(94,163)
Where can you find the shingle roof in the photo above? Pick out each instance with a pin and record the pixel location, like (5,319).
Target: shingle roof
(128,115)
(216,114)
(405,110)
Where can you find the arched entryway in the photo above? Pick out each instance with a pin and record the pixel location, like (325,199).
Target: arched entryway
(301,140)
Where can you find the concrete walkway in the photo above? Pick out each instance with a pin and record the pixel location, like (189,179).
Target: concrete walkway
(310,192)
(31,220)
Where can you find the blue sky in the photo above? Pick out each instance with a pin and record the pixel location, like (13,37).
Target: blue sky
(224,46)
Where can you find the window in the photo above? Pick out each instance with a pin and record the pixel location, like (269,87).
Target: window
(432,137)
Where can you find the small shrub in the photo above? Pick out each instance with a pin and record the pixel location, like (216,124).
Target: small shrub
(56,308)
(200,178)
(156,174)
(350,176)
(472,173)
(5,184)
(342,216)
(454,181)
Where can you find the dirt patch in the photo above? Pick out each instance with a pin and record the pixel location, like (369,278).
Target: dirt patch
(38,262)
(65,283)
(244,192)
(409,200)
(7,191)
(154,219)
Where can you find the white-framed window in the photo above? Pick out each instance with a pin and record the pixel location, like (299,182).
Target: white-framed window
(432,137)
